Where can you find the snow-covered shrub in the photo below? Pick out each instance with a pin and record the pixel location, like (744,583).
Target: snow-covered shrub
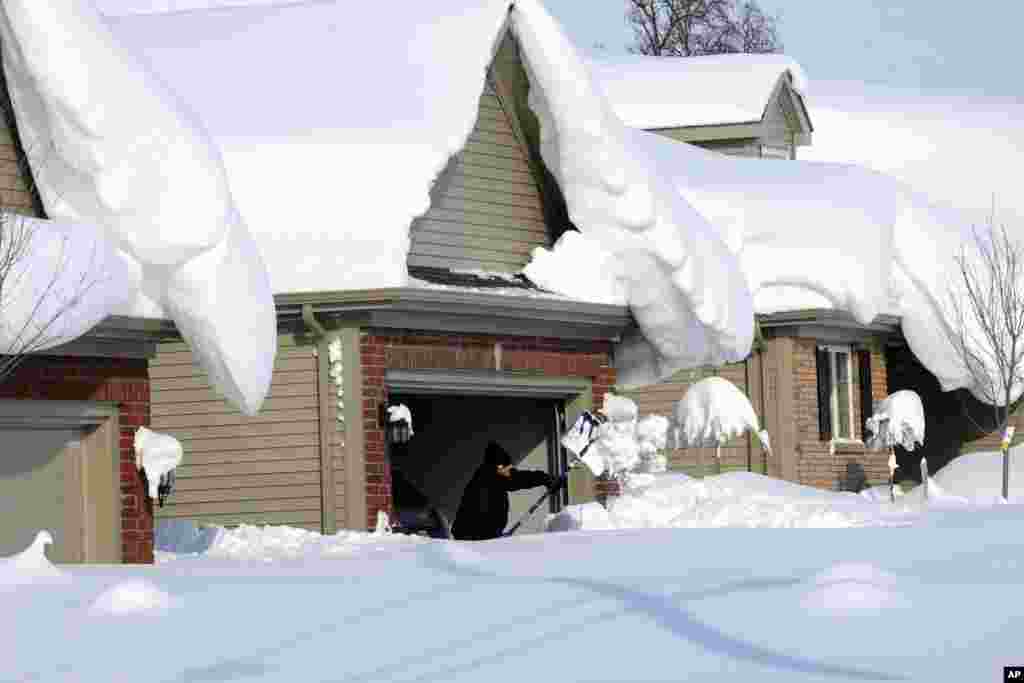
(898,419)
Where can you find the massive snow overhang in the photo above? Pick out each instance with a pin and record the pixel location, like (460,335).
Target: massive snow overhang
(137,196)
(328,155)
(347,174)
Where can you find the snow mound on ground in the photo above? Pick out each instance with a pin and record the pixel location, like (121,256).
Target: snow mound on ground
(282,543)
(712,412)
(898,419)
(30,565)
(734,499)
(851,588)
(147,173)
(976,477)
(589,516)
(158,454)
(136,596)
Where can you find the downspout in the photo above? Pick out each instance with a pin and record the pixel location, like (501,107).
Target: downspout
(311,322)
(328,498)
(762,348)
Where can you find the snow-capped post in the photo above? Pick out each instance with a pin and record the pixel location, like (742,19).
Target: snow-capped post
(712,412)
(898,419)
(924,476)
(1005,448)
(158,454)
(892,474)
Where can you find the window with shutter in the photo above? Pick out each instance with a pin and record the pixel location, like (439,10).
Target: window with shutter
(864,372)
(824,394)
(835,393)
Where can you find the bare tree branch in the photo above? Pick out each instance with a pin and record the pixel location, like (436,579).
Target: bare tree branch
(38,331)
(986,305)
(687,28)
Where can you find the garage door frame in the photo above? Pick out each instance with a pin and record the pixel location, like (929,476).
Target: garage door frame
(98,527)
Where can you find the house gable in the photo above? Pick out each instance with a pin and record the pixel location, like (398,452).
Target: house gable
(783,127)
(487,207)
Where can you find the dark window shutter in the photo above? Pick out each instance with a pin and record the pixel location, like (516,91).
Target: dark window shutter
(866,401)
(824,395)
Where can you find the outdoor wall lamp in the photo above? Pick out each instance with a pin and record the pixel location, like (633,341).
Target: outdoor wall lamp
(394,423)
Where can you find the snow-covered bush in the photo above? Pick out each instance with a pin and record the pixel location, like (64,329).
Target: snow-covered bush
(898,419)
(712,412)
(624,447)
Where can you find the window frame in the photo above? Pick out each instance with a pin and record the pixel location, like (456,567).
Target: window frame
(833,369)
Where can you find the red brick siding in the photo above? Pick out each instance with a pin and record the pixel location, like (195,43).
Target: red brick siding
(125,381)
(816,466)
(380,352)
(805,390)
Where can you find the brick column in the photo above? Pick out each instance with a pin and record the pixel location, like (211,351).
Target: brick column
(378,473)
(136,506)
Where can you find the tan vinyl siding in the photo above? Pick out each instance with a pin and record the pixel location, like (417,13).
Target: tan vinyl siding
(263,469)
(486,211)
(661,399)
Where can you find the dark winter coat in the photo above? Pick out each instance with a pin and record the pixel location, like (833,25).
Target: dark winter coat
(483,512)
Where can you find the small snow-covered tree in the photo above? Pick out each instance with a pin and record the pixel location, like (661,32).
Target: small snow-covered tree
(986,302)
(688,28)
(31,310)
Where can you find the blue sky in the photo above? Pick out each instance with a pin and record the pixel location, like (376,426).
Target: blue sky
(916,44)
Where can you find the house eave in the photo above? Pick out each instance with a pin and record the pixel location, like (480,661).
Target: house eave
(117,336)
(828,325)
(460,311)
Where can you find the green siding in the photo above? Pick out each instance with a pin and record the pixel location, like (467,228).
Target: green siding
(486,208)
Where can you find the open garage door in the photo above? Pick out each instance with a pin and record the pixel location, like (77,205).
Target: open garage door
(455,414)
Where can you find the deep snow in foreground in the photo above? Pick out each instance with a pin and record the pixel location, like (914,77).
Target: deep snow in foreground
(931,601)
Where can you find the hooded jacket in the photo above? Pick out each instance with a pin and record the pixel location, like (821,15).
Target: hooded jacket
(483,513)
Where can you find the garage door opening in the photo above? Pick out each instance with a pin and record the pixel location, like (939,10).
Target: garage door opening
(450,435)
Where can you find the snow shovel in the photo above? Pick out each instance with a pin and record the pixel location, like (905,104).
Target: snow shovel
(591,422)
(540,501)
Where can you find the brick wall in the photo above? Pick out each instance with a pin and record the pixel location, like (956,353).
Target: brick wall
(410,350)
(818,464)
(101,379)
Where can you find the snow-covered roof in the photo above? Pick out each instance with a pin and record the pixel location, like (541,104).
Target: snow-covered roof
(331,142)
(209,141)
(674,92)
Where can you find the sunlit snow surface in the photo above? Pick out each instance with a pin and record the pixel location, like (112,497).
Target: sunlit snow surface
(696,241)
(934,599)
(719,89)
(119,155)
